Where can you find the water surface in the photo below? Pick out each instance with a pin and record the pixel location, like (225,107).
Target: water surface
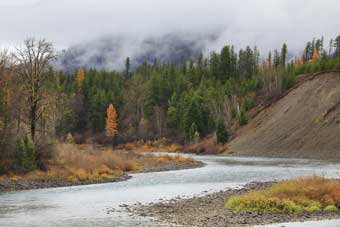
(85,206)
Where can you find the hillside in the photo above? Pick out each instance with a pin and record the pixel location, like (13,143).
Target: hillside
(109,53)
(305,123)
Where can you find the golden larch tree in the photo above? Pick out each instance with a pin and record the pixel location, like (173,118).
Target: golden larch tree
(80,77)
(111,121)
(298,61)
(315,56)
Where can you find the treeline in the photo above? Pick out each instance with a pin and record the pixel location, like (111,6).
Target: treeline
(184,102)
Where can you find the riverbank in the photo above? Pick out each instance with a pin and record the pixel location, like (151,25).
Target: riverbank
(86,164)
(209,210)
(7,185)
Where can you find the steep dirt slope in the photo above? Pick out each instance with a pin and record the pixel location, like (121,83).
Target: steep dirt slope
(305,123)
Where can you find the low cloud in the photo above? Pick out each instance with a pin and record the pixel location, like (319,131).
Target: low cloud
(76,23)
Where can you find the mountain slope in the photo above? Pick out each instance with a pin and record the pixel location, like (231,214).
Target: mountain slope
(304,124)
(109,53)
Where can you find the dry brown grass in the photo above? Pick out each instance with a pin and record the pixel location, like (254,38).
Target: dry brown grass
(301,194)
(92,158)
(206,146)
(160,145)
(88,162)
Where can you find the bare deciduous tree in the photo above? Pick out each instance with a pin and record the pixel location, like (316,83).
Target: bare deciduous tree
(33,67)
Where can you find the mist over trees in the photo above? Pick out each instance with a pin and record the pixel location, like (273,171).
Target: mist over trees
(183,101)
(109,53)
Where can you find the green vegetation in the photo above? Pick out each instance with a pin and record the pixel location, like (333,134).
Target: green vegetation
(330,208)
(322,64)
(75,163)
(308,194)
(242,119)
(26,156)
(181,102)
(222,135)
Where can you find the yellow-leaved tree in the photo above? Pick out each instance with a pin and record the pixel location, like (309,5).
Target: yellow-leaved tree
(298,61)
(80,77)
(315,56)
(111,122)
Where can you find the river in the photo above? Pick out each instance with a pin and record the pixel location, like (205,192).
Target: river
(88,206)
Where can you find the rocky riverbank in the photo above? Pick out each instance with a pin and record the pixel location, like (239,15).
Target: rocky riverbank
(209,210)
(172,166)
(28,184)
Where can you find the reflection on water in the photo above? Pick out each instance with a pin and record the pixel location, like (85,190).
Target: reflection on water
(89,205)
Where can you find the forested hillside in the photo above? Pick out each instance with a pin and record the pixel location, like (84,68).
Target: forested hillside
(182,102)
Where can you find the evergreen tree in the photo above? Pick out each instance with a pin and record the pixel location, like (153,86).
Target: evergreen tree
(247,63)
(196,113)
(337,47)
(269,59)
(193,133)
(307,55)
(283,55)
(319,46)
(221,132)
(127,67)
(276,60)
(26,154)
(226,63)
(215,66)
(242,117)
(324,60)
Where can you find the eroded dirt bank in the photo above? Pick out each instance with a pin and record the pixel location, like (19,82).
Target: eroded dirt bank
(303,124)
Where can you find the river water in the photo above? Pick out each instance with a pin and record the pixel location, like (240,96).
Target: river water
(88,206)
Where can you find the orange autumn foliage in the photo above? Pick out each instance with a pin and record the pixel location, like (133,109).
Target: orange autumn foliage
(297,61)
(315,56)
(111,121)
(80,76)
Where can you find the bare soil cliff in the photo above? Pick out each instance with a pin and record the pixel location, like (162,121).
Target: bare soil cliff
(305,123)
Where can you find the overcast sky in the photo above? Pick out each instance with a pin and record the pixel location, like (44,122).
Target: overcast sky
(266,23)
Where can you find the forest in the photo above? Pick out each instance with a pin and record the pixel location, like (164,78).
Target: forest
(184,103)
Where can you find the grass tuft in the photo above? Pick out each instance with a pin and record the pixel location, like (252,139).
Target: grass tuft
(310,194)
(87,162)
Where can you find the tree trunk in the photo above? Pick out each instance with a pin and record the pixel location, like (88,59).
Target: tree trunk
(33,122)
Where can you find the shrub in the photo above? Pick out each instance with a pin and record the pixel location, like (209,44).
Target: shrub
(310,194)
(90,162)
(192,132)
(26,155)
(248,103)
(323,64)
(233,113)
(242,119)
(313,209)
(330,208)
(79,173)
(69,138)
(222,135)
(258,202)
